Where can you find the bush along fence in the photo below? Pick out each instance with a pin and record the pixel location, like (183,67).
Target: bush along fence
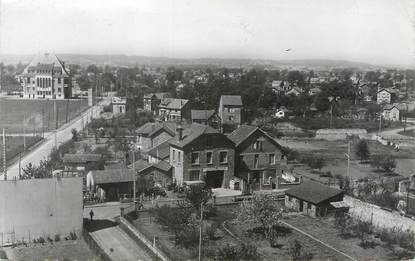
(142,240)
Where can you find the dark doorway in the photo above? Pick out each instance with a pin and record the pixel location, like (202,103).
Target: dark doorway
(214,179)
(301,205)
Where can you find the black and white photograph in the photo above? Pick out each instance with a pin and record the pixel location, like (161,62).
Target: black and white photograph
(214,130)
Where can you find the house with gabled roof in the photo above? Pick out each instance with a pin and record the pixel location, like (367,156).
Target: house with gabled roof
(260,162)
(171,109)
(391,112)
(207,117)
(230,110)
(151,134)
(159,153)
(315,199)
(151,101)
(202,153)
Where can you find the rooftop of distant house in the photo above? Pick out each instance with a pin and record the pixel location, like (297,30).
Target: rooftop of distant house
(232,100)
(172,103)
(244,131)
(202,114)
(313,192)
(151,128)
(191,133)
(112,175)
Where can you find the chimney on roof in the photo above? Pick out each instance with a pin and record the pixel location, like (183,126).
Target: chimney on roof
(180,132)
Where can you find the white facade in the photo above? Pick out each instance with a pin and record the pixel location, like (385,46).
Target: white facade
(383,96)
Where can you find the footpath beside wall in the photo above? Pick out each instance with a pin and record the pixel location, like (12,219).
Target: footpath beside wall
(134,233)
(378,216)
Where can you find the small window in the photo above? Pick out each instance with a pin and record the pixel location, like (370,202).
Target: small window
(258,145)
(174,155)
(256,161)
(59,80)
(179,156)
(231,118)
(209,158)
(194,175)
(271,159)
(223,157)
(308,205)
(195,157)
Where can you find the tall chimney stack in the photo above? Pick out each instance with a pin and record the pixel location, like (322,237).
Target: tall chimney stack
(180,132)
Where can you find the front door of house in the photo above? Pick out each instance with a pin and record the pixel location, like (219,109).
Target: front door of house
(214,179)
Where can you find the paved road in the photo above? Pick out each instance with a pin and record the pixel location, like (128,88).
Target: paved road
(118,245)
(63,134)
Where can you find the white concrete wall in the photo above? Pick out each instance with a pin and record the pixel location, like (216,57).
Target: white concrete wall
(40,207)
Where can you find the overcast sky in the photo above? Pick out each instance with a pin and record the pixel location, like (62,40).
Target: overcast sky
(374,31)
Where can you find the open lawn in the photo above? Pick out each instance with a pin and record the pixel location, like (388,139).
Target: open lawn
(336,162)
(63,250)
(13,112)
(14,146)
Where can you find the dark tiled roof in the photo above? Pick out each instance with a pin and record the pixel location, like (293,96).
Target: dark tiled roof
(234,100)
(313,192)
(112,176)
(81,158)
(163,165)
(162,151)
(141,165)
(191,133)
(241,133)
(151,128)
(202,114)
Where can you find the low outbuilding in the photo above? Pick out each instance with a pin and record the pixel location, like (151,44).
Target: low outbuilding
(315,199)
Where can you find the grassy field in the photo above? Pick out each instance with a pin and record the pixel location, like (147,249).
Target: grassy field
(334,154)
(14,145)
(13,112)
(64,250)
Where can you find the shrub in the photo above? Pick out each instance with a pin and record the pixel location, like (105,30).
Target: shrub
(172,218)
(73,236)
(248,252)
(57,238)
(41,240)
(228,253)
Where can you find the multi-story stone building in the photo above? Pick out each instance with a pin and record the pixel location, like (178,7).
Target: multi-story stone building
(201,153)
(46,78)
(151,101)
(230,110)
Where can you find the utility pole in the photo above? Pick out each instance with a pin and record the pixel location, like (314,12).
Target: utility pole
(67,110)
(4,156)
(24,132)
(43,125)
(20,165)
(380,122)
(134,181)
(348,159)
(200,231)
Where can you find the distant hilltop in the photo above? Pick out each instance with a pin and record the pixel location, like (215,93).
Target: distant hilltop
(130,60)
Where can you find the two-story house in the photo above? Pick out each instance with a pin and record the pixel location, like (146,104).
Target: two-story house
(391,113)
(201,153)
(151,101)
(118,105)
(171,109)
(384,96)
(152,134)
(230,110)
(260,161)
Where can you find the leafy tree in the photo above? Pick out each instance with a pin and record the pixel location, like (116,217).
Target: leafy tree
(362,150)
(228,253)
(262,210)
(342,222)
(198,195)
(388,163)
(297,253)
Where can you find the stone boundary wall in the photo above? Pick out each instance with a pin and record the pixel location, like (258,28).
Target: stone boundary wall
(377,216)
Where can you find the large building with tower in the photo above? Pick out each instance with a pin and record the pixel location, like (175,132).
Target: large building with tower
(46,78)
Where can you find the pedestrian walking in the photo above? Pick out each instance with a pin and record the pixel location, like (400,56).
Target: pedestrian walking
(91,214)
